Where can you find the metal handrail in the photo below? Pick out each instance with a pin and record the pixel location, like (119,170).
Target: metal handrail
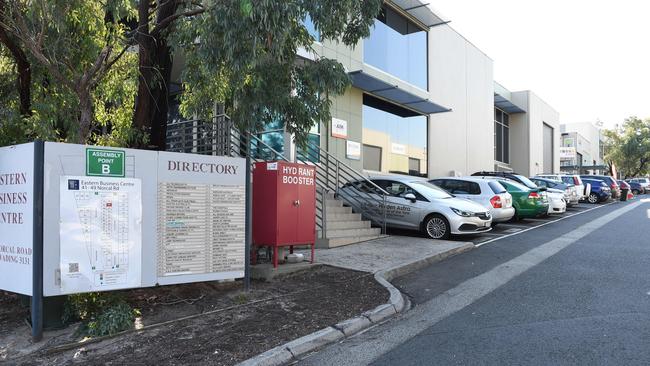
(379,216)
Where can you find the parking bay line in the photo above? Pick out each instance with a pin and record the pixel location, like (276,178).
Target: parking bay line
(544,224)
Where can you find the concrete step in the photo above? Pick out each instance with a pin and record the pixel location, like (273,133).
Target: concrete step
(347,233)
(348,224)
(333,203)
(338,210)
(339,242)
(333,216)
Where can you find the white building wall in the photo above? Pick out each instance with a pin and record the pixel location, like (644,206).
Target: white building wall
(590,132)
(526,135)
(460,78)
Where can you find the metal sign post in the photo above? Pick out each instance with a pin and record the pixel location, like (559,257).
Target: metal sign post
(37,265)
(249,215)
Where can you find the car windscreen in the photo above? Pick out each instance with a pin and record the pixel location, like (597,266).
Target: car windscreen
(517,186)
(431,190)
(527,182)
(497,187)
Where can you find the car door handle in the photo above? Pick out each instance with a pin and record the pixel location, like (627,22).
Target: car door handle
(296,203)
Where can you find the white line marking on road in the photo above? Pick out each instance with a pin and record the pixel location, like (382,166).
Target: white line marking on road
(367,347)
(544,224)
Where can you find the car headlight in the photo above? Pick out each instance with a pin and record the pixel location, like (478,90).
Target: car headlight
(462,213)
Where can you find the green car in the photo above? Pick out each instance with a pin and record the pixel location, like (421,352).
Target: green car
(528,202)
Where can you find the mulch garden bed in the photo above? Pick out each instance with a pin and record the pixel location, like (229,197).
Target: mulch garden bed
(234,325)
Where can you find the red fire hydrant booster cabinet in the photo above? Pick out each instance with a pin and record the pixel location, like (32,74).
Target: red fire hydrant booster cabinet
(284,206)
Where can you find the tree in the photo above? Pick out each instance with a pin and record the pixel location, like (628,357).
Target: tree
(243,54)
(155,22)
(628,147)
(76,42)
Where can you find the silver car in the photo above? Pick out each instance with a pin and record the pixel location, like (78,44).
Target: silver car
(416,204)
(487,192)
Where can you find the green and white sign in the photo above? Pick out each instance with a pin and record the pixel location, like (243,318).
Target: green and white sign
(106,163)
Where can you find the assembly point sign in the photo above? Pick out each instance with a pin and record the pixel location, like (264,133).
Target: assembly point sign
(107,163)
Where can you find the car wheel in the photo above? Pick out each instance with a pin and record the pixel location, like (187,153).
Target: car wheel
(593,198)
(636,192)
(436,226)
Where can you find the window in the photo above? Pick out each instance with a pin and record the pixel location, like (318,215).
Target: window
(501,136)
(462,187)
(397,46)
(398,189)
(371,158)
(497,188)
(399,134)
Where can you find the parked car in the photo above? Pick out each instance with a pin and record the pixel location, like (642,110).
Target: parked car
(644,183)
(528,202)
(611,183)
(416,204)
(556,202)
(488,193)
(570,194)
(580,188)
(636,188)
(512,176)
(600,191)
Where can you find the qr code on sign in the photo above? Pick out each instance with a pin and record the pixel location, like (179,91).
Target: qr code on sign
(73,267)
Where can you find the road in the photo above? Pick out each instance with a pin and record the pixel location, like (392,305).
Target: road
(572,292)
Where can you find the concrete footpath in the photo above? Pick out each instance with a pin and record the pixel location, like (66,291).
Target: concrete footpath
(387,258)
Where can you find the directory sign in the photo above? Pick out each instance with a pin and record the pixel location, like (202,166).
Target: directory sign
(201,217)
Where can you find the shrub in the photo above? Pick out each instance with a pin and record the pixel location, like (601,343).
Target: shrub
(101,313)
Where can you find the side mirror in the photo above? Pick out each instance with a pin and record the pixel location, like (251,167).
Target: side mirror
(410,197)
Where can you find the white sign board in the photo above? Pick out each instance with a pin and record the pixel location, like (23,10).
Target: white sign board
(353,150)
(16,217)
(339,128)
(100,233)
(567,152)
(396,148)
(201,218)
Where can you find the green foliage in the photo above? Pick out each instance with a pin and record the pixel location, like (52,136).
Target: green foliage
(628,147)
(245,57)
(101,313)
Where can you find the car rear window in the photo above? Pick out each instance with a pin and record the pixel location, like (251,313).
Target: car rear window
(527,182)
(497,188)
(517,186)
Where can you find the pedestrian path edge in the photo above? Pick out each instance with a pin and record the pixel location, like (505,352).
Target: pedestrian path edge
(396,304)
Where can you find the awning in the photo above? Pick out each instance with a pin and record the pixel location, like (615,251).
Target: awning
(394,94)
(421,11)
(506,105)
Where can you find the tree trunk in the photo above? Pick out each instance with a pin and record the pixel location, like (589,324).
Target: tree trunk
(155,64)
(85,115)
(24,79)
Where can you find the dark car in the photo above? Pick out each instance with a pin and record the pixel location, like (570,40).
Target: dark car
(611,183)
(512,176)
(636,188)
(600,191)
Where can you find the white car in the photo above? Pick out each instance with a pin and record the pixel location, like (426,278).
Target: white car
(413,203)
(487,192)
(644,182)
(556,202)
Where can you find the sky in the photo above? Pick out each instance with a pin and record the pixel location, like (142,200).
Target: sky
(589,59)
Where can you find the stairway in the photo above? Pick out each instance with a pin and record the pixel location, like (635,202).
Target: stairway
(343,226)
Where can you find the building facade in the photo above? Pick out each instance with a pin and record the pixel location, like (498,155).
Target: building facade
(423,102)
(582,148)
